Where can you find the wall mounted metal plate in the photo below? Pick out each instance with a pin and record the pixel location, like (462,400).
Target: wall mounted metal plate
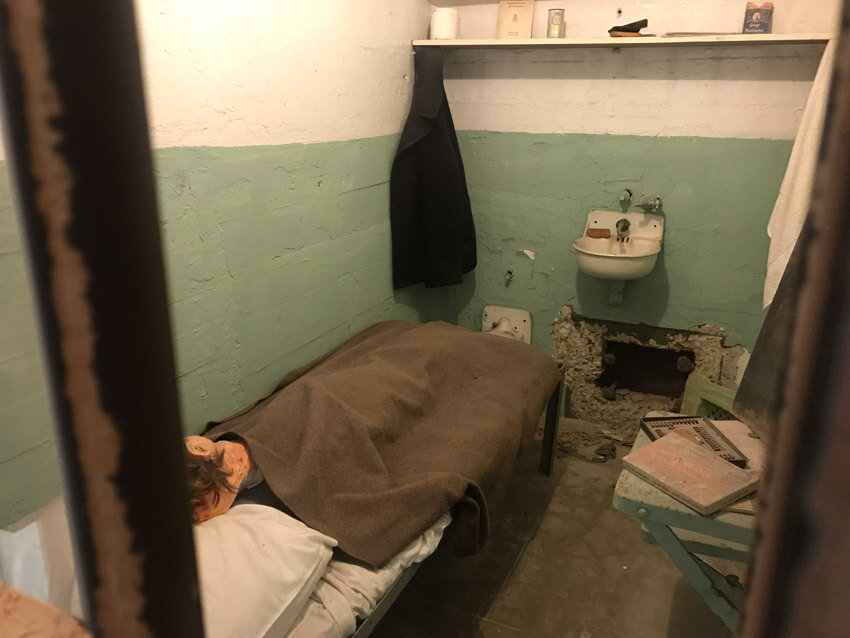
(515,322)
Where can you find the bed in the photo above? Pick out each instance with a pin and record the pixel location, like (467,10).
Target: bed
(350,599)
(263,573)
(369,452)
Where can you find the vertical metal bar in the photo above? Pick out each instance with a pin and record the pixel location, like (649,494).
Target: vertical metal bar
(799,583)
(76,126)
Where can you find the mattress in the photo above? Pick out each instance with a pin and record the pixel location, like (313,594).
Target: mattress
(347,593)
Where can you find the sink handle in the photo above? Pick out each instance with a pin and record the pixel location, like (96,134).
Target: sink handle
(650,203)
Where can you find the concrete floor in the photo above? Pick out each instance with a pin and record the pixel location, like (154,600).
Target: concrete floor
(561,563)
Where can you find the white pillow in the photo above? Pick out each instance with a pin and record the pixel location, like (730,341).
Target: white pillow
(256,565)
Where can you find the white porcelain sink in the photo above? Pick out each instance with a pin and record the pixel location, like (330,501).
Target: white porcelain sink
(610,258)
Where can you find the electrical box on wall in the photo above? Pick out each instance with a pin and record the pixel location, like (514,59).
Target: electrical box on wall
(508,322)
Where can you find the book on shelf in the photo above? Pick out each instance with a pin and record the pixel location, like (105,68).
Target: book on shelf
(515,19)
(691,473)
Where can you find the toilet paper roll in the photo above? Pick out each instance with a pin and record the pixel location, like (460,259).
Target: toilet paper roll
(444,24)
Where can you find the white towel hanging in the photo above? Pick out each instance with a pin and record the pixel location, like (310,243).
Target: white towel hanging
(792,204)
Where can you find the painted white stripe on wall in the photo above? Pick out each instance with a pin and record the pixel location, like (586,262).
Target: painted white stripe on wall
(745,92)
(255,72)
(248,72)
(593,18)
(749,92)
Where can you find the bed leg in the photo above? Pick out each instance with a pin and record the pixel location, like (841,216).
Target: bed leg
(550,433)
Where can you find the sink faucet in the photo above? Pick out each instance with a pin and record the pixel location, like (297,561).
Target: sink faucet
(623,229)
(650,203)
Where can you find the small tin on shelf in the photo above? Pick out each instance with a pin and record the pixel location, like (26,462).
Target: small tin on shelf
(556,28)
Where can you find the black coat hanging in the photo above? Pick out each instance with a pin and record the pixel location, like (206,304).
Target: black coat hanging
(433,235)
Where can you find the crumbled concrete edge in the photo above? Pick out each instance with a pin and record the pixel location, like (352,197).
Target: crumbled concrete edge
(577,345)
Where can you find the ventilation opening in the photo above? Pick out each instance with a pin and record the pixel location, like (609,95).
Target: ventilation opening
(645,369)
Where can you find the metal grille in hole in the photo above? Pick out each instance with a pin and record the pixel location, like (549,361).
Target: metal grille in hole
(648,369)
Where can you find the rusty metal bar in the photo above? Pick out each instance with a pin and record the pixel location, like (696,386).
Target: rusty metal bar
(799,583)
(77,132)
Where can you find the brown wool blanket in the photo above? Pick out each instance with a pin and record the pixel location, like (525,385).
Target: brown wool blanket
(374,441)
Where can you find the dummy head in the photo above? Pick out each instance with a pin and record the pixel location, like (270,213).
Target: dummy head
(214,470)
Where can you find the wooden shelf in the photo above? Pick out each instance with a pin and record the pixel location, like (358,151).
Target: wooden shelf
(617,43)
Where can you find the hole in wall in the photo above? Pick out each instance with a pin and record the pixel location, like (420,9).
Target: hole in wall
(614,401)
(645,369)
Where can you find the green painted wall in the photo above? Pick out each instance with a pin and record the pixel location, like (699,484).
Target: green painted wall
(533,192)
(274,255)
(29,474)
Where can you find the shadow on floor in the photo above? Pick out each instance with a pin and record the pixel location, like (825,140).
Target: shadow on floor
(690,617)
(561,563)
(459,592)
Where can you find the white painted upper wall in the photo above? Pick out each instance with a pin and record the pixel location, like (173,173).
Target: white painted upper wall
(745,92)
(255,72)
(252,72)
(752,92)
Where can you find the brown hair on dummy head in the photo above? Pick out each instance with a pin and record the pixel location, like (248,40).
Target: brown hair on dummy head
(206,480)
